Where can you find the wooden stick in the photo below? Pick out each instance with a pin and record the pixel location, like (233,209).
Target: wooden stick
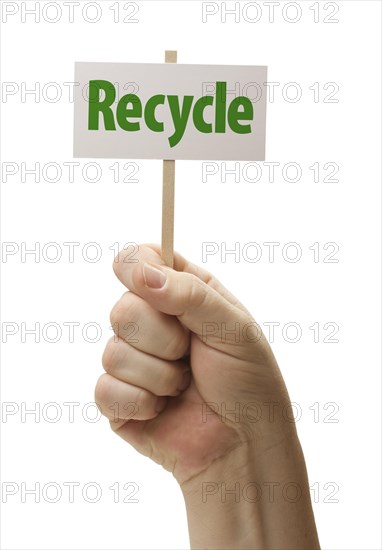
(168,195)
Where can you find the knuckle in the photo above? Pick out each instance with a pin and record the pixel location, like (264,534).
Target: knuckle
(164,382)
(116,313)
(175,347)
(109,357)
(195,293)
(118,264)
(123,309)
(102,389)
(142,399)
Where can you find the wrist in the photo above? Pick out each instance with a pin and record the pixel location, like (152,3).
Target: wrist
(255,497)
(246,463)
(218,510)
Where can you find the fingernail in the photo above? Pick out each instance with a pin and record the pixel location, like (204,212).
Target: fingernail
(160,404)
(154,277)
(185,380)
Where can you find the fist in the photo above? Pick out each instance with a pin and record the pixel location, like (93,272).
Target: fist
(187,358)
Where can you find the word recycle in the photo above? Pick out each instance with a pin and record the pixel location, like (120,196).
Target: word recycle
(129,111)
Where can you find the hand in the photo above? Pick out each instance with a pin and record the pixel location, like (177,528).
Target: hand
(184,389)
(195,387)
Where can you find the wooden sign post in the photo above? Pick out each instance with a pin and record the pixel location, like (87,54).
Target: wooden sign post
(168,194)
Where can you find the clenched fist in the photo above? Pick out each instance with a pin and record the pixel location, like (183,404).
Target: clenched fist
(189,382)
(186,361)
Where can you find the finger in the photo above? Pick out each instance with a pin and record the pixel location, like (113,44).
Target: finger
(120,401)
(217,322)
(147,329)
(123,265)
(131,365)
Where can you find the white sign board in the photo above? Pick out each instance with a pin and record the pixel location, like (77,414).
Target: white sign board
(169,111)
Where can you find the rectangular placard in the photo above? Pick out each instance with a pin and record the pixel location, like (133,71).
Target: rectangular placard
(169,111)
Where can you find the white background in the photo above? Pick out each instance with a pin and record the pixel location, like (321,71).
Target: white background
(345,454)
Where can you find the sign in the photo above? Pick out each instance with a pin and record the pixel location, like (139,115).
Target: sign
(169,111)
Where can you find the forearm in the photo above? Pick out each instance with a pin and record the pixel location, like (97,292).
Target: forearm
(256,498)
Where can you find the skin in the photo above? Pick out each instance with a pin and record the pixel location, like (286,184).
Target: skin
(206,404)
